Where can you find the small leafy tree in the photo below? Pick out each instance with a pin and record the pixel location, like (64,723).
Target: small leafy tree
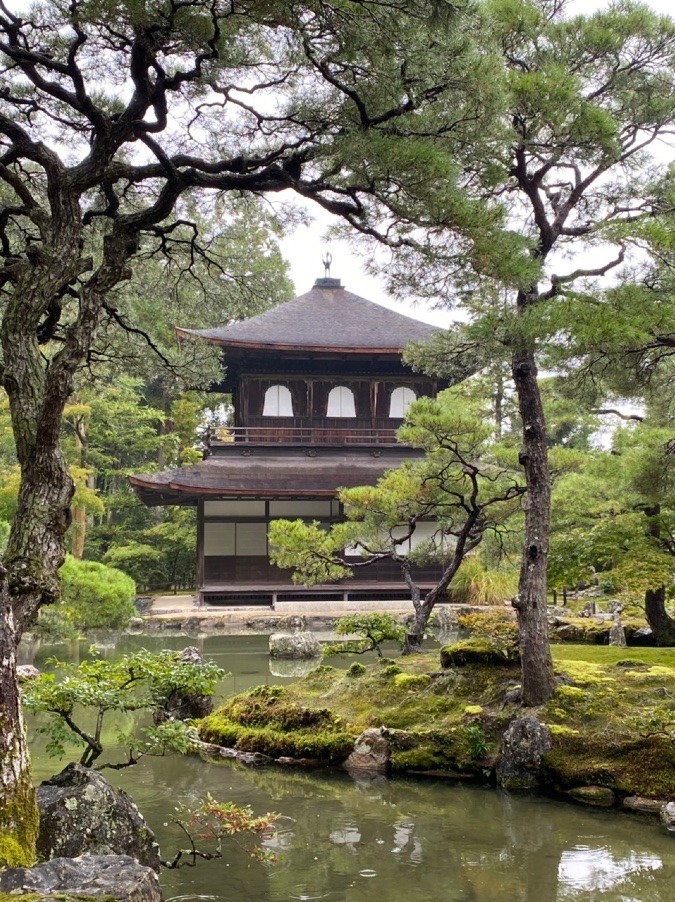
(137,682)
(373,629)
(460,485)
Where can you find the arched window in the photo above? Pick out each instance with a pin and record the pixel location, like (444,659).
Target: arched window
(341,402)
(278,402)
(400,401)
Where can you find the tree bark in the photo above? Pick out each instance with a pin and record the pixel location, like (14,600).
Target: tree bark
(661,623)
(18,809)
(415,633)
(530,603)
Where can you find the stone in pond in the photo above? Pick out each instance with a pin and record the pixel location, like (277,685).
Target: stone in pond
(371,752)
(524,745)
(82,813)
(667,815)
(109,877)
(295,646)
(599,796)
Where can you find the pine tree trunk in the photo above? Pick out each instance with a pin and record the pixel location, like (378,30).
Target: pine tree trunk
(414,635)
(34,553)
(38,387)
(661,623)
(18,809)
(537,665)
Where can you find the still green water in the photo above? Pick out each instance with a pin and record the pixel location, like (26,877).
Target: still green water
(379,840)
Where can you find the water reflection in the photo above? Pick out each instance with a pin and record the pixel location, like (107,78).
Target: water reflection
(348,840)
(599,870)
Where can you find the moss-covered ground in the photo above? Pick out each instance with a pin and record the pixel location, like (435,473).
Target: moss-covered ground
(612,717)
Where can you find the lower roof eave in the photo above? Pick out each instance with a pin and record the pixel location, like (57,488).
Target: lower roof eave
(162,495)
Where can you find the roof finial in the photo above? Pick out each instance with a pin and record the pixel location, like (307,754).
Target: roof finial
(327,260)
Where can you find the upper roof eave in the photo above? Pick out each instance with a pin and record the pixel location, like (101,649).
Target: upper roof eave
(267,346)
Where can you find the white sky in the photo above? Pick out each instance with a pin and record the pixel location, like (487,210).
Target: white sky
(305,247)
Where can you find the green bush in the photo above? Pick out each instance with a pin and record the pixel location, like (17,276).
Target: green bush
(94,596)
(356,670)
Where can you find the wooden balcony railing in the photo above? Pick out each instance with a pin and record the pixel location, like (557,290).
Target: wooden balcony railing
(291,431)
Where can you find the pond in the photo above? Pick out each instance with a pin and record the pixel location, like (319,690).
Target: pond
(401,840)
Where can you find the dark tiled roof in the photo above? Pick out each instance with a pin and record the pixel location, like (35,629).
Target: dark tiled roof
(266,475)
(326,318)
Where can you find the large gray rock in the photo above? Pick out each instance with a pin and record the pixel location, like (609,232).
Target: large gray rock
(81,813)
(95,876)
(296,646)
(667,815)
(643,805)
(644,637)
(524,745)
(371,752)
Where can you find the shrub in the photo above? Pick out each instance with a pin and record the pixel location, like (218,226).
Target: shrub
(356,670)
(94,596)
(474,584)
(476,741)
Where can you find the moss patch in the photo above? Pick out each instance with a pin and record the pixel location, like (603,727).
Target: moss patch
(18,827)
(619,763)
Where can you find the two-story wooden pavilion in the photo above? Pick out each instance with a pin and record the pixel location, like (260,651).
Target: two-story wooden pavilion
(318,388)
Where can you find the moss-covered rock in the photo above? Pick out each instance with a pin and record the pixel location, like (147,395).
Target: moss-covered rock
(597,796)
(264,720)
(477,651)
(412,681)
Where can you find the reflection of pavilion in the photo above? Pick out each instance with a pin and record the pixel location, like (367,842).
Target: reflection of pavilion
(319,389)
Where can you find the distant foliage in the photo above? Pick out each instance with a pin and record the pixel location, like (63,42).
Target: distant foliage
(94,596)
(161,556)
